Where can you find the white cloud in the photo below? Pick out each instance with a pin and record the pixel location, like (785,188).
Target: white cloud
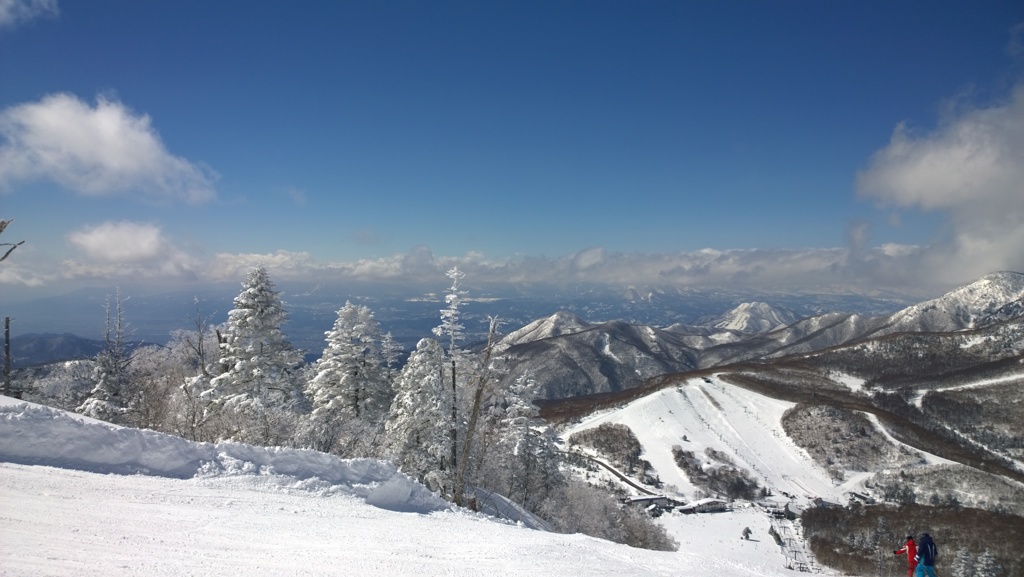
(95,151)
(283,264)
(892,267)
(127,250)
(589,258)
(120,241)
(14,12)
(124,250)
(971,167)
(13,275)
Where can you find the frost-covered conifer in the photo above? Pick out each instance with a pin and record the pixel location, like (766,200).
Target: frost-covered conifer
(112,396)
(417,426)
(350,379)
(106,401)
(262,370)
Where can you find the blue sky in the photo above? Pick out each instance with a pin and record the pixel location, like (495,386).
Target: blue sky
(861,145)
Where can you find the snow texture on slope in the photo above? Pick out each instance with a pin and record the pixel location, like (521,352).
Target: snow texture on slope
(37,435)
(250,512)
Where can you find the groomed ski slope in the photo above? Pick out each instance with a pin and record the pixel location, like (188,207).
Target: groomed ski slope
(743,424)
(86,498)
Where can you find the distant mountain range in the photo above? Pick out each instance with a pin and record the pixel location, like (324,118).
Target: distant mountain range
(410,316)
(36,349)
(571,358)
(580,342)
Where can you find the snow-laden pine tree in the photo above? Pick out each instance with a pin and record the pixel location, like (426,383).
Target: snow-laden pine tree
(416,432)
(349,378)
(260,390)
(452,330)
(351,386)
(112,397)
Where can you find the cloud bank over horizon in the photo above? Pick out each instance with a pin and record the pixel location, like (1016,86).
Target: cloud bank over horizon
(130,252)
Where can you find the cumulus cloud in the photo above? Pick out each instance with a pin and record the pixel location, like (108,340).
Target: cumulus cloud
(15,12)
(127,249)
(99,150)
(971,168)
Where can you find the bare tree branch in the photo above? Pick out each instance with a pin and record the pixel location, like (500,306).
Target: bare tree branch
(13,245)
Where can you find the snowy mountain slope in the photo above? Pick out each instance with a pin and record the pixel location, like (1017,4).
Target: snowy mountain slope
(560,323)
(573,358)
(742,424)
(290,513)
(701,337)
(607,357)
(993,297)
(962,308)
(755,317)
(810,334)
(709,417)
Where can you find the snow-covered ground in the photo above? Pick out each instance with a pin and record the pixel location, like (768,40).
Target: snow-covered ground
(918,398)
(85,498)
(855,384)
(743,424)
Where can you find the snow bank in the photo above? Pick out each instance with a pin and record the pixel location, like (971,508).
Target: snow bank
(235,510)
(32,434)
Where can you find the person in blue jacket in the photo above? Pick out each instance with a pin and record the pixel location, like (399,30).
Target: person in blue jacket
(926,555)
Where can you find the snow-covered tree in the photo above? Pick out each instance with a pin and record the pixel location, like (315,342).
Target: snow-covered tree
(351,386)
(453,331)
(521,460)
(112,396)
(483,381)
(261,386)
(391,350)
(350,379)
(200,348)
(417,426)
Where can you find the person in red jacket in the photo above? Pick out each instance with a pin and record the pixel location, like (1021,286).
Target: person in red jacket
(910,550)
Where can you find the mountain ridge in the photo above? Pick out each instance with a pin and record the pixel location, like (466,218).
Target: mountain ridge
(564,358)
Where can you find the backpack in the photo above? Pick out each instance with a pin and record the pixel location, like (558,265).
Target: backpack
(927,551)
